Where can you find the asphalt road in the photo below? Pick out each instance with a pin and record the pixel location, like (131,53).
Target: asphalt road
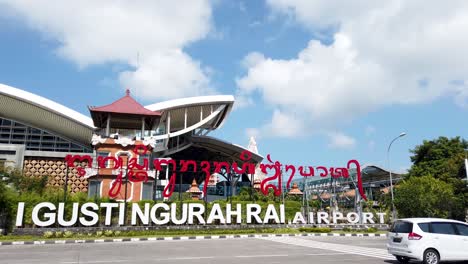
(225,251)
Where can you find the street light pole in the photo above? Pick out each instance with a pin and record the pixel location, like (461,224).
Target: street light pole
(390,172)
(283,187)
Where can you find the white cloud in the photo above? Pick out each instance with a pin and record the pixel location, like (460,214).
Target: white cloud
(159,73)
(252,59)
(99,32)
(383,54)
(282,124)
(341,141)
(326,82)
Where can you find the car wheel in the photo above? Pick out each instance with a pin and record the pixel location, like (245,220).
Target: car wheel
(402,259)
(431,257)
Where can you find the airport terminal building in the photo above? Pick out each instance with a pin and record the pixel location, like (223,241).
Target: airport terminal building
(36,134)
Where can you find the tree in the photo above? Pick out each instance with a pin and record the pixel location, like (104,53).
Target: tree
(24,184)
(7,204)
(425,197)
(443,159)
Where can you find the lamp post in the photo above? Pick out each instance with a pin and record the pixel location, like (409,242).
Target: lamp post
(390,171)
(283,186)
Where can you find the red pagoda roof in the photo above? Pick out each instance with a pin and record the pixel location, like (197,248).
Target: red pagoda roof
(194,188)
(295,190)
(125,105)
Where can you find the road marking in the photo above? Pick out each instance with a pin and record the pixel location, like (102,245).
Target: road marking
(261,256)
(186,258)
(363,251)
(131,261)
(328,254)
(94,261)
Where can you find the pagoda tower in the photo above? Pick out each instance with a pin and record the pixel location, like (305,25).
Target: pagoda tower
(121,126)
(194,190)
(294,190)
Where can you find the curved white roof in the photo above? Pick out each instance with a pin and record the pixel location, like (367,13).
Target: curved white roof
(46,104)
(37,111)
(187,114)
(191,101)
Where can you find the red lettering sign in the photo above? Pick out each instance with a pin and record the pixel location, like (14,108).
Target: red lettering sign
(273,170)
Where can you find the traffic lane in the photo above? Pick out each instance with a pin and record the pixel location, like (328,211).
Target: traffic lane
(373,242)
(202,251)
(367,242)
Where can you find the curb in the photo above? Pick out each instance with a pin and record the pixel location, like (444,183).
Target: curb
(86,241)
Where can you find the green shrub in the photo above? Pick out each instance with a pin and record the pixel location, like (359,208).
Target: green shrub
(370,230)
(315,229)
(48,234)
(67,234)
(108,233)
(99,233)
(366,230)
(58,234)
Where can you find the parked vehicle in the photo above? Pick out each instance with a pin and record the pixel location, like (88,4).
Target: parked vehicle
(430,240)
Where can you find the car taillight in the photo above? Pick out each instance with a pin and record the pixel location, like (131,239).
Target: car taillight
(414,236)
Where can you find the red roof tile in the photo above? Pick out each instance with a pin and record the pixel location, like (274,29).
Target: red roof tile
(194,189)
(125,105)
(295,190)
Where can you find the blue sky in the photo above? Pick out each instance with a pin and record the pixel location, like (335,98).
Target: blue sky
(317,82)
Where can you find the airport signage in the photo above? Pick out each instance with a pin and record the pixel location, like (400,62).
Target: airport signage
(89,214)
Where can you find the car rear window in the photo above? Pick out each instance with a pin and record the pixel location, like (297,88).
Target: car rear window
(402,227)
(424,227)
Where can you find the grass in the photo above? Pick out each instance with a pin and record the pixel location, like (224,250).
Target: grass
(152,233)
(171,233)
(18,238)
(359,232)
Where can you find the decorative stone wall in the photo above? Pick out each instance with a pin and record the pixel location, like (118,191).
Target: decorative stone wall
(56,170)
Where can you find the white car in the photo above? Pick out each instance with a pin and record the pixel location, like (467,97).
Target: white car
(430,240)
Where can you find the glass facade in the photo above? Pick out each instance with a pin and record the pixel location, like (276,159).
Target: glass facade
(13,132)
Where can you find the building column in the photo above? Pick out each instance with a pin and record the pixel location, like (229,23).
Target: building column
(108,125)
(142,128)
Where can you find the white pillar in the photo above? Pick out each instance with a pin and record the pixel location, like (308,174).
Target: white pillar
(185,118)
(201,113)
(142,128)
(108,125)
